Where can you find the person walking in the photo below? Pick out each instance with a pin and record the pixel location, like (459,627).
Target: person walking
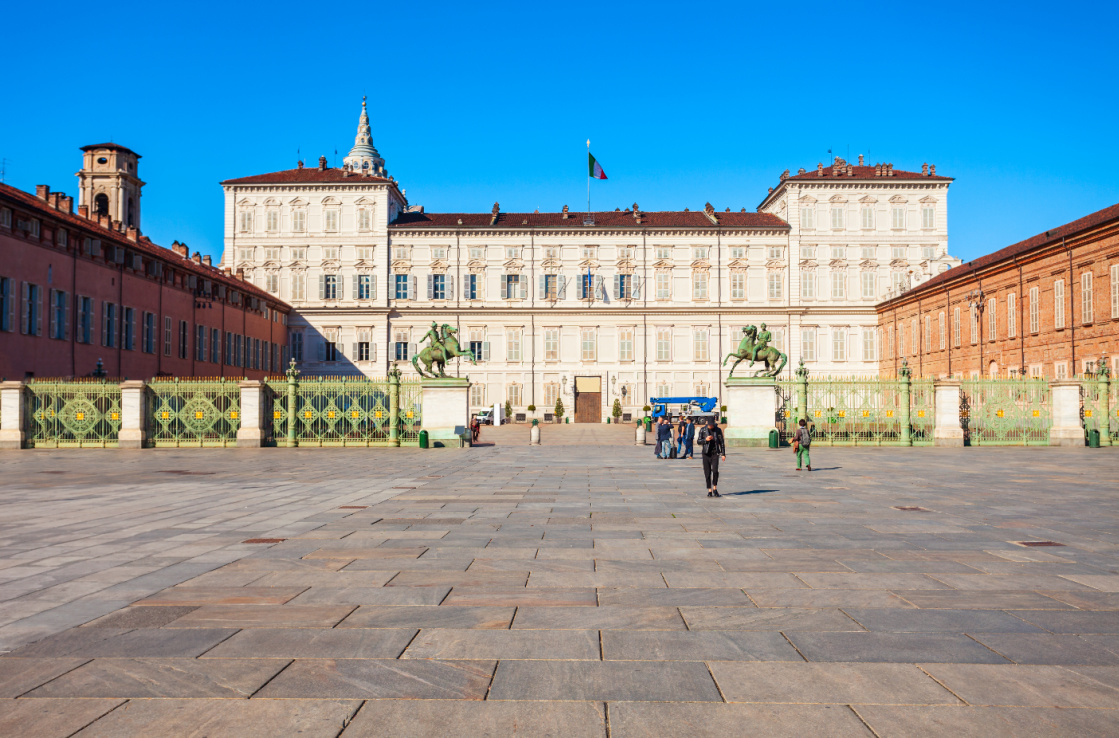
(802,439)
(475,429)
(689,438)
(681,431)
(713,448)
(664,436)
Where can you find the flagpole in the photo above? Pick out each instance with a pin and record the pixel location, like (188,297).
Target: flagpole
(588,177)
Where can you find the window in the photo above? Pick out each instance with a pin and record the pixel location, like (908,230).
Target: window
(438,289)
(1011,316)
(808,285)
(200,343)
(1115,290)
(662,252)
(625,253)
(915,343)
(890,341)
(775,285)
(1059,304)
(109,325)
(837,217)
(330,253)
(700,344)
(233,349)
(738,285)
(85,320)
(928,253)
(588,344)
(1086,311)
(272,254)
(7,302)
(808,251)
(550,252)
(590,286)
(364,219)
(587,252)
(551,344)
(513,394)
(956,327)
(184,337)
(478,395)
(298,221)
(364,253)
(272,221)
(298,286)
(778,339)
(438,252)
(330,348)
(62,237)
(272,282)
(928,334)
(739,252)
(5,217)
(943,330)
(838,252)
(328,287)
(839,285)
(246,221)
(992,318)
(265,355)
(59,315)
(664,344)
(400,253)
(839,345)
(625,344)
(215,346)
(147,340)
(867,217)
(869,345)
(867,281)
(808,343)
(551,394)
(477,252)
(512,287)
(808,218)
(330,220)
(401,283)
(512,252)
(1060,370)
(623,286)
(868,252)
(245,254)
(899,252)
(470,287)
(928,216)
(773,252)
(898,282)
(699,285)
(549,286)
(897,218)
(295,339)
(664,285)
(699,253)
(974,324)
(512,344)
(363,287)
(479,347)
(128,340)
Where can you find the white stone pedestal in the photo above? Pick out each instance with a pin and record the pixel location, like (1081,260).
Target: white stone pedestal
(639,439)
(251,432)
(751,410)
(947,430)
(534,435)
(12,409)
(446,411)
(133,414)
(1067,429)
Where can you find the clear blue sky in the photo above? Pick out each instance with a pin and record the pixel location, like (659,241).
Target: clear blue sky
(684,102)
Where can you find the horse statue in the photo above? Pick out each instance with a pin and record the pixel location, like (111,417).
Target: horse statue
(439,352)
(774,360)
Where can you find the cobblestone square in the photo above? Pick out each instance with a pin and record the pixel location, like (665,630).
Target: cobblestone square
(577,588)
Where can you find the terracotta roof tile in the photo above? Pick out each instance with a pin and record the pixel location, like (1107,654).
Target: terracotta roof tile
(305,175)
(863,172)
(608,219)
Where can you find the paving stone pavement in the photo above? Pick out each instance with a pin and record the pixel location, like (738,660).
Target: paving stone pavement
(580,588)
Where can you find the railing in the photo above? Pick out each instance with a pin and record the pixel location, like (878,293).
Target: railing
(194,412)
(1099,407)
(73,412)
(1005,412)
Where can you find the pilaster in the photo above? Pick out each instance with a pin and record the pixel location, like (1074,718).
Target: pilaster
(947,430)
(12,410)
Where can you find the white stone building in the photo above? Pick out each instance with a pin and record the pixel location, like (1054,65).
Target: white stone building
(622,305)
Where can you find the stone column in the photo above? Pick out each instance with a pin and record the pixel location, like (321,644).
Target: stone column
(251,432)
(446,411)
(751,408)
(12,411)
(947,430)
(1105,403)
(133,414)
(1067,428)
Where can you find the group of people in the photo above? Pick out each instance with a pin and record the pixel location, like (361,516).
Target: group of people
(678,443)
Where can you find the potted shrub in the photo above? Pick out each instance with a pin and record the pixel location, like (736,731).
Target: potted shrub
(617,410)
(559,410)
(509,411)
(531,410)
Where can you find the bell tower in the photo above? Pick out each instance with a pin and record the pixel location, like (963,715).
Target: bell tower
(109,183)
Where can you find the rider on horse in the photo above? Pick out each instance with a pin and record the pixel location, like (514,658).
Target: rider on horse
(436,338)
(761,343)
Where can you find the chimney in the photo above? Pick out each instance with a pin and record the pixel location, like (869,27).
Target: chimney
(636,214)
(206,260)
(932,170)
(860,160)
(132,233)
(925,169)
(784,175)
(52,198)
(118,226)
(68,203)
(565,215)
(709,208)
(83,211)
(299,164)
(322,163)
(820,169)
(890,169)
(227,271)
(196,258)
(180,249)
(240,274)
(43,192)
(801,170)
(496,210)
(771,190)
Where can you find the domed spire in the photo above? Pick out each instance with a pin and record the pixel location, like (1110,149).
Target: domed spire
(363,157)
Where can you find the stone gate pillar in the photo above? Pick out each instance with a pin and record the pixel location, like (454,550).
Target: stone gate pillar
(251,432)
(751,408)
(133,414)
(12,414)
(1067,428)
(446,411)
(947,429)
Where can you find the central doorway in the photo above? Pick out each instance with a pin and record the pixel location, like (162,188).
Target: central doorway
(588,399)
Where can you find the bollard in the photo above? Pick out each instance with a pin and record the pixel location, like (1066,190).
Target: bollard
(639,439)
(423,439)
(1093,438)
(534,434)
(774,439)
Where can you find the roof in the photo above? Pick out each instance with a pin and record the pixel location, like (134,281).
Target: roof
(142,245)
(607,219)
(863,172)
(306,175)
(1022,247)
(111,146)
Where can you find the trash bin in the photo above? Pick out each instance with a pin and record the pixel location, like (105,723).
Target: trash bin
(648,424)
(423,439)
(774,439)
(1093,439)
(607,420)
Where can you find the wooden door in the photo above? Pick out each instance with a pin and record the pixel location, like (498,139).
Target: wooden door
(588,399)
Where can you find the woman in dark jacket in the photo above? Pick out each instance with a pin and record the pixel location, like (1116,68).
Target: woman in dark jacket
(713,448)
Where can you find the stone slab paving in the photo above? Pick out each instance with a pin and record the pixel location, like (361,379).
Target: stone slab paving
(580,588)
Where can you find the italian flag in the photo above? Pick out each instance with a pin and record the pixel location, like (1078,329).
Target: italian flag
(594,169)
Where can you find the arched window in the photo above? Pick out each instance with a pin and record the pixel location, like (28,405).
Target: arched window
(101,204)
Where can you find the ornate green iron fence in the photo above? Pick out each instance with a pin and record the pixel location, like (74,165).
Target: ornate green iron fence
(1097,407)
(411,412)
(276,412)
(73,412)
(194,412)
(1007,412)
(922,413)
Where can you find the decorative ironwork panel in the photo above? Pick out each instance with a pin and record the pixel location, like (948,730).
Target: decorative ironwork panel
(276,412)
(73,413)
(922,408)
(785,418)
(855,412)
(411,412)
(190,412)
(1007,412)
(341,411)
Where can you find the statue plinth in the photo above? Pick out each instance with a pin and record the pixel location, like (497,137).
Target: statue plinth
(446,410)
(751,410)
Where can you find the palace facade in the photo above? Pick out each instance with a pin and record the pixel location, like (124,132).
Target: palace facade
(585,307)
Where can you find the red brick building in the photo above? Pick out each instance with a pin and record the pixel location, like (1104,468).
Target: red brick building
(76,288)
(1047,307)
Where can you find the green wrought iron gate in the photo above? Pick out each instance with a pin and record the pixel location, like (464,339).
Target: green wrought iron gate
(194,412)
(73,412)
(1005,412)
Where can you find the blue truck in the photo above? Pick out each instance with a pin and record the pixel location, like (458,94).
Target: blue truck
(696,406)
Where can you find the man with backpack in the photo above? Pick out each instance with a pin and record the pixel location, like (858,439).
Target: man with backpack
(802,439)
